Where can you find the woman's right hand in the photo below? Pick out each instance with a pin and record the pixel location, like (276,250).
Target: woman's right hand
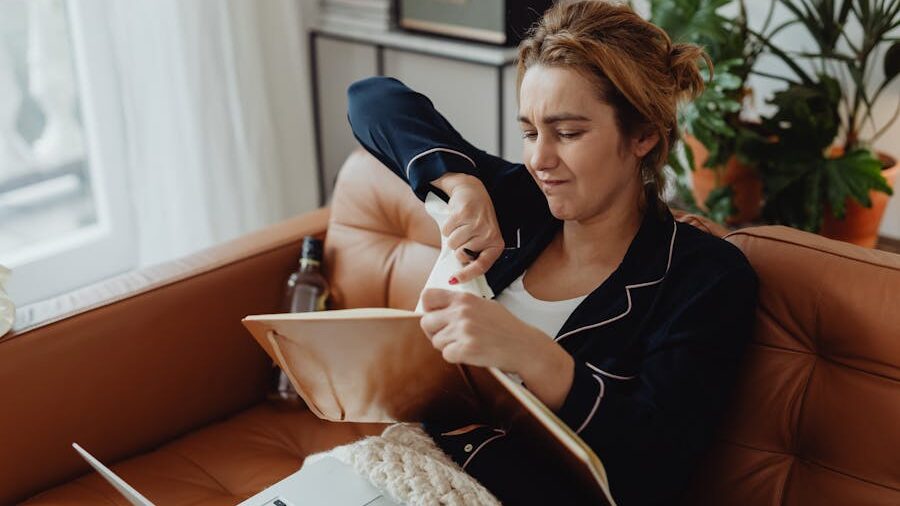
(472,224)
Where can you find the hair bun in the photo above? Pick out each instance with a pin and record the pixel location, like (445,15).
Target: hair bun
(685,71)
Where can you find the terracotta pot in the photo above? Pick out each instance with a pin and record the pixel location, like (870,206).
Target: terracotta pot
(860,225)
(743,179)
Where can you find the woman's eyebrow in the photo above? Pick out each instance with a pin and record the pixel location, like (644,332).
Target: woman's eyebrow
(556,118)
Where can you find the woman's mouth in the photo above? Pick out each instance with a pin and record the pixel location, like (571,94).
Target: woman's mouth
(552,183)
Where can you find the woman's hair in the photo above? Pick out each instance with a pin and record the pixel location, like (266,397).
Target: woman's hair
(637,69)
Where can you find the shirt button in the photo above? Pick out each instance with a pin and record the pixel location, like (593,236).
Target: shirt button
(468,448)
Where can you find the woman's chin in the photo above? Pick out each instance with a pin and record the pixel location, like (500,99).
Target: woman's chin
(561,212)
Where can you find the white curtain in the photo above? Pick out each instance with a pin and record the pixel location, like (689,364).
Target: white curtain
(214,99)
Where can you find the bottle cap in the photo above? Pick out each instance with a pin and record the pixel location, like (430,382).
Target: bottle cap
(312,249)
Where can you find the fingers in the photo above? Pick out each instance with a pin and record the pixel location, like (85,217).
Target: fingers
(433,323)
(463,257)
(453,348)
(450,328)
(472,225)
(465,244)
(434,299)
(453,352)
(442,338)
(460,236)
(477,255)
(477,267)
(454,221)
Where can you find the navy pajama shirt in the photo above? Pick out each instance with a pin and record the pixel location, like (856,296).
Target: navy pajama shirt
(656,345)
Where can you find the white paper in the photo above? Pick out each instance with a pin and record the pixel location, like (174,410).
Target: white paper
(447,264)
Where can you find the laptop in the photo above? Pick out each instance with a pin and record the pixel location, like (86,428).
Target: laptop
(324,482)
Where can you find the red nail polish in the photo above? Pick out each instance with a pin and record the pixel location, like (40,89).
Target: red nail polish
(453,280)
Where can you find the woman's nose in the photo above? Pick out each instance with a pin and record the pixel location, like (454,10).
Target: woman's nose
(543,155)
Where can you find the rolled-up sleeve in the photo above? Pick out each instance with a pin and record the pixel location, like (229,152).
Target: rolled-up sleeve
(406,133)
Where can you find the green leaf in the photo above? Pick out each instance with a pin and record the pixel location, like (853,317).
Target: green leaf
(807,118)
(786,173)
(720,204)
(675,162)
(892,62)
(698,22)
(799,204)
(853,176)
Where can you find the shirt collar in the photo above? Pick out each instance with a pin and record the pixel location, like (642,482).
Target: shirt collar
(646,263)
(648,255)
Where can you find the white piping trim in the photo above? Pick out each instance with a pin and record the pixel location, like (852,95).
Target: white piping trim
(609,374)
(502,434)
(518,240)
(628,292)
(433,150)
(465,429)
(596,404)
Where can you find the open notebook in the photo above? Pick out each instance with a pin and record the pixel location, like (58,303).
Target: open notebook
(377,365)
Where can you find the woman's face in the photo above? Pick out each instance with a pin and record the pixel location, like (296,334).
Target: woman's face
(573,148)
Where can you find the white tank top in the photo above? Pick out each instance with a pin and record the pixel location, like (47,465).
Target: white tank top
(547,315)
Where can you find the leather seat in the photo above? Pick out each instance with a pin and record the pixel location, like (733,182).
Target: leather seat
(222,464)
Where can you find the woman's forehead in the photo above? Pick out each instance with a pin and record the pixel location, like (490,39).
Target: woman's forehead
(551,92)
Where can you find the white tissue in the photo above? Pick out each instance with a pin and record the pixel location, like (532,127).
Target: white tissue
(447,265)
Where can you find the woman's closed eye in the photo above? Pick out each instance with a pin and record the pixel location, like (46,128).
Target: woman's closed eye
(569,135)
(565,135)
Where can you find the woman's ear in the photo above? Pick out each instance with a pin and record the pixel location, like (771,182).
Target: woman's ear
(643,144)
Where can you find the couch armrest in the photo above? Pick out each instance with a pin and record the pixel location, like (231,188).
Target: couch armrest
(129,363)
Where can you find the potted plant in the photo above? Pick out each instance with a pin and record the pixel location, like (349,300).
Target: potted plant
(724,187)
(819,170)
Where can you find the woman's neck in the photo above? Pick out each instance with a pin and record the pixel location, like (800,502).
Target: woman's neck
(600,240)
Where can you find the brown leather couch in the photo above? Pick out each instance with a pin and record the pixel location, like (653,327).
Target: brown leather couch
(153,372)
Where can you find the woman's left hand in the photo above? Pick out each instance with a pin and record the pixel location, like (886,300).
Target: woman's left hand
(470,330)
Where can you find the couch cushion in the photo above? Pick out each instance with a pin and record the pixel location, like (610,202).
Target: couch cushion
(221,464)
(381,244)
(818,402)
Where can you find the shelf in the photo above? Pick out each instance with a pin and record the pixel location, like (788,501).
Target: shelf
(473,52)
(888,244)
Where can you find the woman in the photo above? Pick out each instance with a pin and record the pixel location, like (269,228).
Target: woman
(627,324)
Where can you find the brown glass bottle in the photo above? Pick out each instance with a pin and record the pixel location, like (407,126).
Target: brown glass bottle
(306,290)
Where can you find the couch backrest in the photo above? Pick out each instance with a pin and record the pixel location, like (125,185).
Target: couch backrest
(816,413)
(381,244)
(816,417)
(134,361)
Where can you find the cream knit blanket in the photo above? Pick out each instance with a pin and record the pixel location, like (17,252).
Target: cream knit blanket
(406,463)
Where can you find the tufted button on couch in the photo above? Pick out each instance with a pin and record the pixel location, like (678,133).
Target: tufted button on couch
(154,374)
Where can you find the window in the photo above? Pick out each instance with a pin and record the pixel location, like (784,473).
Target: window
(64,218)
